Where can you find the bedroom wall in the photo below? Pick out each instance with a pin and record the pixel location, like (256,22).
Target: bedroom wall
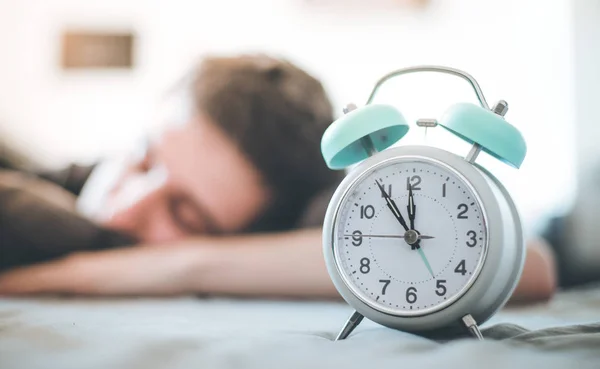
(585,232)
(514,52)
(586,28)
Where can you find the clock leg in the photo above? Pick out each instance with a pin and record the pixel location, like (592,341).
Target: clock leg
(471,325)
(352,323)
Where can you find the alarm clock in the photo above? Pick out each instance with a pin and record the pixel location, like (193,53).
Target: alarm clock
(417,238)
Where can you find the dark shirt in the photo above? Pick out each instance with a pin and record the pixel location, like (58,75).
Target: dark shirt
(38,221)
(72,178)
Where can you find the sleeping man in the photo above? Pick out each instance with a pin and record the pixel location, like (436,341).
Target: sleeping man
(227,198)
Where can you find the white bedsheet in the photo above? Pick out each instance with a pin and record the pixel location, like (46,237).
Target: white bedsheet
(228,333)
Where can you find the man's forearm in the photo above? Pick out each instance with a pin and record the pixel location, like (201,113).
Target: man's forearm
(283,264)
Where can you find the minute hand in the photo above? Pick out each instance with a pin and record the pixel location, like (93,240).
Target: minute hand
(411,208)
(392,206)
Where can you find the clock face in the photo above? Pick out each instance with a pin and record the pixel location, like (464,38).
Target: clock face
(410,236)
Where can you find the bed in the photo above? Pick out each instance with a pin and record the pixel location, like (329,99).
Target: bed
(189,332)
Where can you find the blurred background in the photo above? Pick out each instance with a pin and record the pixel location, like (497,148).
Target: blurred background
(81,80)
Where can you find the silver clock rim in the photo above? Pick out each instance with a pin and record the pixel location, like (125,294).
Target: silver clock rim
(354,179)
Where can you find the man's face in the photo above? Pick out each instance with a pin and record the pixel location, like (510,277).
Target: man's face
(191,180)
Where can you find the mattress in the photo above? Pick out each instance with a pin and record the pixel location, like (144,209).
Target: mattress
(190,332)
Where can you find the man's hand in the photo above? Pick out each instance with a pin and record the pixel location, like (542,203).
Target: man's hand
(144,270)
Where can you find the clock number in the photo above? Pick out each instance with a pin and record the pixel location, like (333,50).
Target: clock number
(364,265)
(357,238)
(389,190)
(413,183)
(461,214)
(440,288)
(444,190)
(367,211)
(472,237)
(460,268)
(385,282)
(411,295)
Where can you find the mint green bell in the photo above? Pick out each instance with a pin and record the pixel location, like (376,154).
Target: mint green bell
(488,129)
(343,143)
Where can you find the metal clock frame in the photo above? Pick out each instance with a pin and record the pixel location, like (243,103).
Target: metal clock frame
(498,272)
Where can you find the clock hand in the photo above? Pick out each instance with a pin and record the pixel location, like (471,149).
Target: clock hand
(419,237)
(411,207)
(424,258)
(422,237)
(392,206)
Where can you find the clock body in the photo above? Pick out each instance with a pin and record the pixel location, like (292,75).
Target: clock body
(470,249)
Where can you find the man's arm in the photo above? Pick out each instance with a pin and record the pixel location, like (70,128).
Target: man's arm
(292,264)
(271,265)
(539,279)
(286,264)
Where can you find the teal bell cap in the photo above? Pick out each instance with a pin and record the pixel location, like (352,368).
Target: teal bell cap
(341,143)
(495,135)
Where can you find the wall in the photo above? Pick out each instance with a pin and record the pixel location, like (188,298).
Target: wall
(584,225)
(514,51)
(586,26)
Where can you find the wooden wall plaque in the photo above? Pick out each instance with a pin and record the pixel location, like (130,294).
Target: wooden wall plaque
(97,50)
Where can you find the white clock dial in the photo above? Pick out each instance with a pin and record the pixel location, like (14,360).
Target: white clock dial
(375,254)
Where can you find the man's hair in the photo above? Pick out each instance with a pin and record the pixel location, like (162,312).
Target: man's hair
(276,113)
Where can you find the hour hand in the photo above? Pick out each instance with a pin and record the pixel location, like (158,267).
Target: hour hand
(392,206)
